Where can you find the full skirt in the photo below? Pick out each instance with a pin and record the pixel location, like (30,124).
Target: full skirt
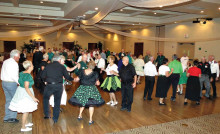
(111,84)
(22,101)
(183,78)
(162,86)
(193,88)
(86,96)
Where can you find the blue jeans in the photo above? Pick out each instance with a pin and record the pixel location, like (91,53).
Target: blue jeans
(9,90)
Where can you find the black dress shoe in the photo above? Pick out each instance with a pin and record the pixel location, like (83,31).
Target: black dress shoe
(128,110)
(46,117)
(54,121)
(123,109)
(185,103)
(13,120)
(149,98)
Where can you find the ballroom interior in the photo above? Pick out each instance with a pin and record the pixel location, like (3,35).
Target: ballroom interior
(137,26)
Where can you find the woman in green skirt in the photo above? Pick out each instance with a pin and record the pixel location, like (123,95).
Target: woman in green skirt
(111,83)
(87,95)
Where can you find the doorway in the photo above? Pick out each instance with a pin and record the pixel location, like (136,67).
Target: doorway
(138,48)
(68,45)
(188,48)
(9,45)
(92,46)
(40,43)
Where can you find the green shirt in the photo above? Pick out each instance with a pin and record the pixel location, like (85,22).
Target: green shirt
(108,53)
(177,67)
(146,58)
(83,66)
(50,56)
(159,59)
(25,77)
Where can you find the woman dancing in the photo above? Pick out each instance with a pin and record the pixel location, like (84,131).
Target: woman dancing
(87,95)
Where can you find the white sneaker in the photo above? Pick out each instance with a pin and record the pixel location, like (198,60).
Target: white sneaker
(110,102)
(114,103)
(29,125)
(26,129)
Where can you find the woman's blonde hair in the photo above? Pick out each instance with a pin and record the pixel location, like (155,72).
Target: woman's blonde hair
(91,65)
(140,57)
(112,58)
(27,64)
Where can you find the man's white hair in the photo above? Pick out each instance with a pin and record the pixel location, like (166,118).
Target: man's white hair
(126,57)
(14,53)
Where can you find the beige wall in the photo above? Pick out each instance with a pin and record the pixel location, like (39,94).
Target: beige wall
(50,39)
(210,29)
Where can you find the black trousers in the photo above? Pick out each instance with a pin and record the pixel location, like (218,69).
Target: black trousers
(213,76)
(149,86)
(127,95)
(174,80)
(56,90)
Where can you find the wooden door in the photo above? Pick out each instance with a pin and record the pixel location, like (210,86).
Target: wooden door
(9,45)
(92,46)
(138,48)
(68,45)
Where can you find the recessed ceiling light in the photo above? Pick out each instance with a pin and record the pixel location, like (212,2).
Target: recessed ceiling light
(219,8)
(96,8)
(175,22)
(6,24)
(121,10)
(161,6)
(41,2)
(202,11)
(155,13)
(39,17)
(84,15)
(132,24)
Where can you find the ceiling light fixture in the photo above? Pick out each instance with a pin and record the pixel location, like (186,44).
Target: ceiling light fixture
(96,8)
(160,6)
(202,12)
(41,2)
(132,24)
(175,22)
(6,24)
(155,13)
(39,17)
(219,8)
(84,15)
(121,10)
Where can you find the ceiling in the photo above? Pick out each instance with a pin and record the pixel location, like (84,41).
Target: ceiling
(35,14)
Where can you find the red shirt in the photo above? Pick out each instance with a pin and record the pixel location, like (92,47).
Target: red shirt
(194,71)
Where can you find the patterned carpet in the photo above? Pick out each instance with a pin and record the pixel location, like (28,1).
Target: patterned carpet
(208,124)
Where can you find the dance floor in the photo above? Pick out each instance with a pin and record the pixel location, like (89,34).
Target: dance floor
(110,119)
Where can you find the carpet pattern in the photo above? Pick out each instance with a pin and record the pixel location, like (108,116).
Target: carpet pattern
(208,124)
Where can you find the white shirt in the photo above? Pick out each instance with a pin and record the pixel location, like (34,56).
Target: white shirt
(94,53)
(214,68)
(109,68)
(10,71)
(79,59)
(150,69)
(88,57)
(184,61)
(101,63)
(163,69)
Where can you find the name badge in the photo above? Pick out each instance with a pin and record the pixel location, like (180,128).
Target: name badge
(83,67)
(206,66)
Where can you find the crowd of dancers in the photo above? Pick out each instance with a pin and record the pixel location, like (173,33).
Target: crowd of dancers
(55,69)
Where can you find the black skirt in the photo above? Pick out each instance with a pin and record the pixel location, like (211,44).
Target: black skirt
(193,88)
(162,86)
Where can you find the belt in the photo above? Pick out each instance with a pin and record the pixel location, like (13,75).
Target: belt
(10,81)
(54,83)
